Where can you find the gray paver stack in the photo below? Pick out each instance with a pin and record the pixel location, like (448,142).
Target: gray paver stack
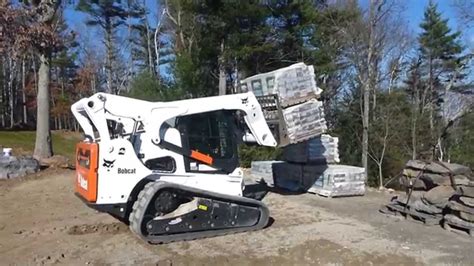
(293,84)
(264,170)
(309,162)
(340,180)
(320,150)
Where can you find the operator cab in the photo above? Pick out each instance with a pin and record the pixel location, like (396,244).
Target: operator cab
(213,134)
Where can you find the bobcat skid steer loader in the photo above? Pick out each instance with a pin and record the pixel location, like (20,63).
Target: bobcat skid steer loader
(170,168)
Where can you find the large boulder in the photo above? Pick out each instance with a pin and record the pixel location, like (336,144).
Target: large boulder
(12,167)
(439,196)
(439,167)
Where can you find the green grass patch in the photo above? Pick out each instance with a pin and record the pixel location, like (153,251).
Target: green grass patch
(23,142)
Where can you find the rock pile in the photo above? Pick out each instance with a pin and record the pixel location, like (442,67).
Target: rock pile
(433,174)
(460,209)
(13,167)
(441,193)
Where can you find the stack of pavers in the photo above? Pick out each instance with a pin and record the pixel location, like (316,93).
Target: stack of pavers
(340,180)
(433,188)
(264,170)
(295,87)
(309,161)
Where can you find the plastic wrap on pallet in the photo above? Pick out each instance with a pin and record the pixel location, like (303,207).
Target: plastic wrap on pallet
(304,121)
(341,189)
(319,150)
(264,170)
(296,177)
(340,180)
(293,84)
(288,176)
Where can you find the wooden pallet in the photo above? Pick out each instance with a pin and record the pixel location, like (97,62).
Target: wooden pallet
(452,226)
(398,210)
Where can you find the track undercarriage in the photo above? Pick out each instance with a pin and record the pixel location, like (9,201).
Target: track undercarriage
(166,212)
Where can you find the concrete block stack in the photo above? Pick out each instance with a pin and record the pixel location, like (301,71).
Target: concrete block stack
(340,180)
(305,120)
(320,150)
(264,170)
(295,86)
(311,155)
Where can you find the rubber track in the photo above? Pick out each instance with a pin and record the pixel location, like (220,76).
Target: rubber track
(145,196)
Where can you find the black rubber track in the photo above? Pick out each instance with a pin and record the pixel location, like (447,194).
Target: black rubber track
(150,189)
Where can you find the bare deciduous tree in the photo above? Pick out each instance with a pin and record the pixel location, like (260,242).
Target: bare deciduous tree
(45,12)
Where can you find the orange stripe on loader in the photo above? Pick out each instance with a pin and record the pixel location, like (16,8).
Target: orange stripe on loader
(202,157)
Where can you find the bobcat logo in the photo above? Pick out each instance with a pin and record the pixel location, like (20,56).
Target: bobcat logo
(245,100)
(108,164)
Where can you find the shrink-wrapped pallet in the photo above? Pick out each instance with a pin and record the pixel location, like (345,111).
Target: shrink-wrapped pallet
(340,180)
(340,189)
(319,150)
(304,121)
(293,84)
(264,170)
(296,177)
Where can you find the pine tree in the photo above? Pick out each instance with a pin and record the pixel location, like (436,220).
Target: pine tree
(108,15)
(441,52)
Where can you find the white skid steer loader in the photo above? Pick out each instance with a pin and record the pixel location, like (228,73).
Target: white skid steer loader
(170,168)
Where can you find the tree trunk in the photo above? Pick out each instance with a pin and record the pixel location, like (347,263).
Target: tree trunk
(23,91)
(367,89)
(129,37)
(222,79)
(413,134)
(11,96)
(380,175)
(43,145)
(2,94)
(382,156)
(431,104)
(109,48)
(151,66)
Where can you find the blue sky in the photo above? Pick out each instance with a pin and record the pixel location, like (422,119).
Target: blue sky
(412,13)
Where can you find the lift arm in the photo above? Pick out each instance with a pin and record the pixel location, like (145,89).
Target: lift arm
(93,112)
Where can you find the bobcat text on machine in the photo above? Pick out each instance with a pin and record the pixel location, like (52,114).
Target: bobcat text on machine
(171,168)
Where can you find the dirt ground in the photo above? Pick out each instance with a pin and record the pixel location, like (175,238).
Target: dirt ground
(42,222)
